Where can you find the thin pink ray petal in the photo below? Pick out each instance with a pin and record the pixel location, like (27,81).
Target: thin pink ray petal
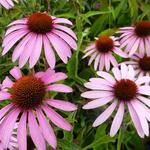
(89,53)
(145,90)
(142,80)
(96,94)
(117,73)
(102,62)
(91,46)
(22,132)
(120,52)
(7,83)
(66,29)
(57,119)
(117,120)
(28,49)
(49,53)
(8,126)
(106,76)
(62,21)
(96,62)
(59,88)
(144,100)
(134,47)
(105,115)
(4,95)
(62,105)
(46,128)
(107,63)
(35,132)
(141,116)
(35,55)
(68,39)
(20,21)
(97,102)
(20,47)
(92,58)
(4,110)
(135,120)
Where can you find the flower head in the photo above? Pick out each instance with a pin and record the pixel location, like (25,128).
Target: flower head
(102,52)
(39,31)
(8,4)
(140,63)
(120,89)
(136,37)
(29,101)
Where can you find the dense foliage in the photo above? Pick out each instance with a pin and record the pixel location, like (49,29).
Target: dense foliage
(91,18)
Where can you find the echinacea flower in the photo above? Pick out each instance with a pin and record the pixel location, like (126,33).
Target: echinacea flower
(120,89)
(8,4)
(141,64)
(102,51)
(136,38)
(29,102)
(39,31)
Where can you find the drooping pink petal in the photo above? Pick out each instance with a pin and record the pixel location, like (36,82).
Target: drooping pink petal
(105,115)
(102,62)
(62,105)
(59,88)
(62,49)
(20,47)
(8,126)
(96,62)
(117,120)
(22,132)
(57,119)
(36,52)
(107,63)
(135,120)
(96,94)
(49,53)
(141,116)
(46,128)
(28,49)
(16,73)
(35,132)
(68,39)
(20,21)
(120,52)
(97,102)
(92,58)
(66,29)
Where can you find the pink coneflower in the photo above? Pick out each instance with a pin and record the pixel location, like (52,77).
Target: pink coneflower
(7,3)
(136,37)
(120,89)
(29,103)
(140,63)
(101,52)
(39,31)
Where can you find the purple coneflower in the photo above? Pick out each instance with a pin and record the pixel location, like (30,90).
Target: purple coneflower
(102,51)
(39,31)
(136,37)
(140,63)
(29,102)
(120,89)
(7,3)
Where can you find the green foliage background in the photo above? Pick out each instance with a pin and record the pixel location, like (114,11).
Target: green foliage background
(91,18)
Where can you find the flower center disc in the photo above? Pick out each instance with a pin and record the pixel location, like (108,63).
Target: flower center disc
(142,28)
(28,92)
(125,90)
(40,23)
(104,44)
(144,63)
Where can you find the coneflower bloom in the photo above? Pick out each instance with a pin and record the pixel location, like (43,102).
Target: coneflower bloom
(102,51)
(39,31)
(120,89)
(140,63)
(8,4)
(136,38)
(30,101)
